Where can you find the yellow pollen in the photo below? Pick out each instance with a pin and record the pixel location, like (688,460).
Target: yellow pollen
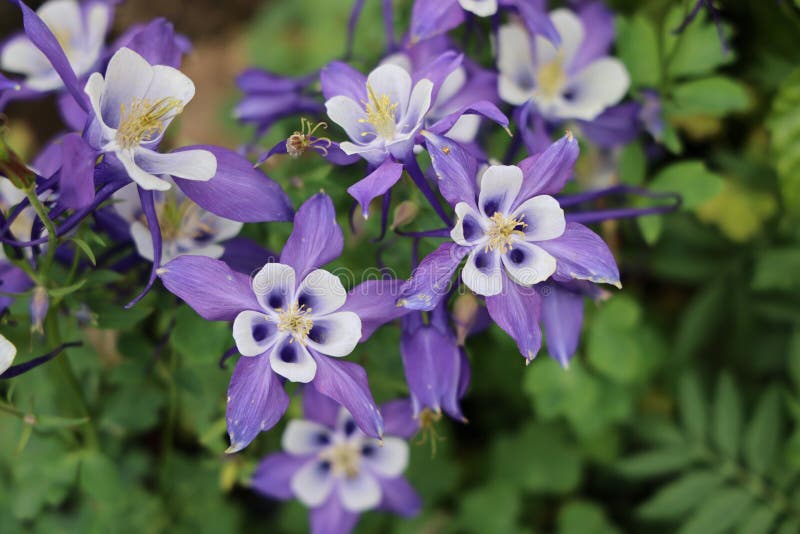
(427,425)
(144,120)
(504,231)
(300,141)
(550,78)
(381,113)
(297,321)
(344,458)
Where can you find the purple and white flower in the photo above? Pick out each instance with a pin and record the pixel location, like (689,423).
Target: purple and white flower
(80,29)
(336,470)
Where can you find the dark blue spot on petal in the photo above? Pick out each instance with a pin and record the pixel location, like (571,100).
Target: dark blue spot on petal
(324,467)
(569,95)
(481,261)
(469,227)
(260,332)
(275,301)
(322,438)
(490,207)
(368,450)
(516,256)
(318,334)
(349,427)
(288,353)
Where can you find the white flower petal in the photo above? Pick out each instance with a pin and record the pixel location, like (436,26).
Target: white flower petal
(62,17)
(20,55)
(7,354)
(481,8)
(470,226)
(321,292)
(292,361)
(418,105)
(394,82)
(305,437)
(347,113)
(138,175)
(169,82)
(127,78)
(336,334)
(254,333)
(199,165)
(274,286)
(95,87)
(544,218)
(516,81)
(360,493)
(482,272)
(140,234)
(500,185)
(312,483)
(528,264)
(389,459)
(600,85)
(572,32)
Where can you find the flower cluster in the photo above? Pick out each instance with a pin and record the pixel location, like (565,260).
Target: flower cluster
(514,246)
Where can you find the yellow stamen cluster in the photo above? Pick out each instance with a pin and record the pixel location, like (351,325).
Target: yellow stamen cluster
(301,141)
(381,113)
(144,120)
(551,78)
(503,231)
(345,458)
(297,321)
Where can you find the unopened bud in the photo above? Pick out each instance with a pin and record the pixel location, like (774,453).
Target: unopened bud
(465,313)
(39,305)
(404,213)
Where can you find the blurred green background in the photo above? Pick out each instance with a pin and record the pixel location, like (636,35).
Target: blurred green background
(679,413)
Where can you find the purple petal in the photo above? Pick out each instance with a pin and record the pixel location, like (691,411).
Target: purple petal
(439,69)
(483,108)
(399,497)
(157,42)
(582,254)
(209,286)
(316,238)
(536,18)
(261,81)
(562,317)
(147,199)
(245,255)
(237,191)
(41,36)
(433,17)
(376,184)
(617,125)
(73,114)
(346,383)
(398,419)
(76,185)
(12,280)
(339,78)
(546,173)
(374,301)
(256,401)
(455,169)
(517,310)
(598,20)
(320,408)
(332,518)
(533,128)
(274,474)
(430,281)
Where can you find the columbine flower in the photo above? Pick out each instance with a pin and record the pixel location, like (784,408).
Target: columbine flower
(514,234)
(132,107)
(7,354)
(13,280)
(80,29)
(575,80)
(186,228)
(330,466)
(288,322)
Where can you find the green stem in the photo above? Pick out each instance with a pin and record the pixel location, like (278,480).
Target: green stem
(168,436)
(52,239)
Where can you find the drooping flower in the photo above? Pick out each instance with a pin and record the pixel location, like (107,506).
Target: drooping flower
(79,27)
(7,354)
(291,321)
(336,470)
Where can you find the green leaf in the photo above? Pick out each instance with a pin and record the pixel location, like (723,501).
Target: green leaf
(692,407)
(64,291)
(758,521)
(580,517)
(655,462)
(700,318)
(718,513)
(776,270)
(697,49)
(680,497)
(715,96)
(784,126)
(637,47)
(762,436)
(490,508)
(651,227)
(632,164)
(727,417)
(84,246)
(692,180)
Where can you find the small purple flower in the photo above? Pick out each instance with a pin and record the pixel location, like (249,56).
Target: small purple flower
(337,471)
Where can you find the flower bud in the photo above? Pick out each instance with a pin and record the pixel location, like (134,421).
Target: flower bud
(404,213)
(465,312)
(39,305)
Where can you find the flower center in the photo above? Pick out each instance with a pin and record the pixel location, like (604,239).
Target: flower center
(144,119)
(503,231)
(297,321)
(381,113)
(551,78)
(344,458)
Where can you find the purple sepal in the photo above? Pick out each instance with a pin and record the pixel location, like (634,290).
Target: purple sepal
(76,185)
(157,42)
(536,18)
(22,368)
(273,476)
(547,172)
(41,36)
(320,408)
(147,199)
(430,281)
(583,255)
(562,318)
(49,159)
(517,310)
(246,256)
(434,17)
(374,302)
(438,69)
(316,238)
(256,401)
(616,126)
(597,40)
(483,108)
(399,497)
(346,383)
(339,78)
(209,286)
(13,280)
(237,191)
(332,518)
(455,169)
(398,418)
(375,184)
(533,128)
(72,113)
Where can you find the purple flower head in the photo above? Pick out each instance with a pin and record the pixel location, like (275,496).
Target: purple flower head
(291,321)
(80,29)
(436,368)
(573,80)
(336,470)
